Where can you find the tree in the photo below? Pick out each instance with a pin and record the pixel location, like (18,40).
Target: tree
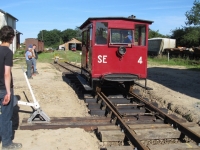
(154,34)
(50,37)
(78,33)
(54,38)
(193,16)
(68,34)
(178,35)
(186,36)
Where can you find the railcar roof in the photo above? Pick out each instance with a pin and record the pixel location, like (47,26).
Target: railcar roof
(114,18)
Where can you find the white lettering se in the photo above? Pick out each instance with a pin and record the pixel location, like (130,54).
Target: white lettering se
(102,59)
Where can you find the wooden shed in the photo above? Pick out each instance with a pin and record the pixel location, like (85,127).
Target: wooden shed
(73,44)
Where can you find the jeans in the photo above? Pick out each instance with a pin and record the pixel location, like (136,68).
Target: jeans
(29,66)
(6,112)
(34,65)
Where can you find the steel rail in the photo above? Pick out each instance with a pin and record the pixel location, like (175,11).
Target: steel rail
(72,65)
(129,133)
(185,130)
(74,72)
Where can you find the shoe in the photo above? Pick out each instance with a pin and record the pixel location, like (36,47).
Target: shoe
(12,146)
(30,78)
(36,72)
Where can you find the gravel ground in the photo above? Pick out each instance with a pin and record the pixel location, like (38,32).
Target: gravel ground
(176,88)
(57,99)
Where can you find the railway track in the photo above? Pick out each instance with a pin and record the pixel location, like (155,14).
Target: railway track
(120,122)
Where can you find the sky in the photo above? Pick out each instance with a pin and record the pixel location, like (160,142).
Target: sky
(37,15)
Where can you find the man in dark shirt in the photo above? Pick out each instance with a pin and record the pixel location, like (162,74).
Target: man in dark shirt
(6,89)
(34,59)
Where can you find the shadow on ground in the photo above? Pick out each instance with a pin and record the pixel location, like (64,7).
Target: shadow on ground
(185,81)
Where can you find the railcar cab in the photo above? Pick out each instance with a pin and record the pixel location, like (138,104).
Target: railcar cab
(114,49)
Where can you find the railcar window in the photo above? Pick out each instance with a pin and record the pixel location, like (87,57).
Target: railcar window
(101,33)
(86,38)
(121,36)
(140,35)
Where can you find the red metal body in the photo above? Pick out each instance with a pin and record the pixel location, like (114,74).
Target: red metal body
(116,59)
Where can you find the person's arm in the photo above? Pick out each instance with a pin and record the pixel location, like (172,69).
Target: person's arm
(36,55)
(7,77)
(33,53)
(30,55)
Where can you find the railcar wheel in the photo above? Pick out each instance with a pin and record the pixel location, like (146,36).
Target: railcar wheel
(96,88)
(128,87)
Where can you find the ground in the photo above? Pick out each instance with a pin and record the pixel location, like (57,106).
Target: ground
(176,88)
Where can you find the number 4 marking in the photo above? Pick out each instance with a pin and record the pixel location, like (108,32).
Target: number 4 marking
(140,60)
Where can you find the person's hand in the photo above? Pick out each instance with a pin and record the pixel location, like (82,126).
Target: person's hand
(6,99)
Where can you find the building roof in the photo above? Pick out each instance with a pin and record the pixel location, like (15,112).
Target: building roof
(8,14)
(17,32)
(73,40)
(62,45)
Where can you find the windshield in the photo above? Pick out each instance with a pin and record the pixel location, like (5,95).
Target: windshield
(121,36)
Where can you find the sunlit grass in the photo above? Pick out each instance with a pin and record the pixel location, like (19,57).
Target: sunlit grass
(175,61)
(48,56)
(71,56)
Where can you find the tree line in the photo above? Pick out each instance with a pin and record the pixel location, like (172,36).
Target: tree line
(54,38)
(186,36)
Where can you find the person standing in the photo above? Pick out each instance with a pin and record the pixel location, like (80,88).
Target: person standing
(29,63)
(34,59)
(6,89)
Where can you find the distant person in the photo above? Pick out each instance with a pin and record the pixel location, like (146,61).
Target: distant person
(29,63)
(127,38)
(130,36)
(34,59)
(6,89)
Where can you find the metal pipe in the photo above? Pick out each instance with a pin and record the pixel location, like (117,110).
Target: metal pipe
(36,104)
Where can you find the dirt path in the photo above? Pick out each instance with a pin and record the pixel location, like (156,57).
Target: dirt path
(57,99)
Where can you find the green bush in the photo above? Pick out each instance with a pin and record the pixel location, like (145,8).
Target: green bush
(19,53)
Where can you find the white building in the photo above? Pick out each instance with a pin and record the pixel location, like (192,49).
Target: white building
(8,19)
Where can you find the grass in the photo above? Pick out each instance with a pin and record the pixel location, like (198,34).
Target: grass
(175,61)
(48,57)
(71,56)
(18,53)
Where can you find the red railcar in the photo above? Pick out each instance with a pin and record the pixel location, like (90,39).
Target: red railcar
(114,49)
(39,44)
